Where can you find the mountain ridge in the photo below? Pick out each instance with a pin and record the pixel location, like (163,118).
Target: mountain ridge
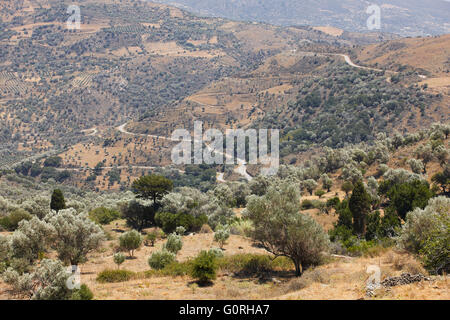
(404,17)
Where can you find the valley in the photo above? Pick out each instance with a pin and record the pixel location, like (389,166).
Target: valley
(87,179)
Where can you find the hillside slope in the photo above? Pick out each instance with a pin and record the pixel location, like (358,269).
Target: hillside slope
(431,55)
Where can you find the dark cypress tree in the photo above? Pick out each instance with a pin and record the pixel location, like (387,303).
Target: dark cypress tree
(359,205)
(345,215)
(57,202)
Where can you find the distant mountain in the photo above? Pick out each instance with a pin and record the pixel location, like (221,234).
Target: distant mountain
(404,17)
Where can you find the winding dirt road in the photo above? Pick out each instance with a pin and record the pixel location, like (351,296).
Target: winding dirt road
(241,168)
(93,133)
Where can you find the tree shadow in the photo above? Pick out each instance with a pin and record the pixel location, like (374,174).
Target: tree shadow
(263,277)
(201,284)
(257,245)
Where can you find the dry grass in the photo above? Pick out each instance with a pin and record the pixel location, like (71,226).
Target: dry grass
(335,32)
(337,279)
(402,261)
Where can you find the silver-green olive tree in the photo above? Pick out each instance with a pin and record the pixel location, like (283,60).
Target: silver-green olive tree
(130,241)
(174,243)
(283,231)
(221,235)
(4,251)
(310,185)
(46,282)
(31,238)
(75,235)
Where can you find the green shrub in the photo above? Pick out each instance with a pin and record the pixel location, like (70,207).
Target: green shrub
(257,265)
(167,221)
(151,238)
(185,220)
(333,203)
(104,215)
(312,204)
(356,247)
(373,225)
(436,251)
(340,233)
(408,196)
(180,230)
(421,224)
(170,221)
(176,269)
(307,204)
(172,269)
(320,193)
(84,293)
(204,267)
(217,252)
(251,264)
(130,241)
(390,224)
(206,229)
(174,243)
(11,221)
(119,258)
(242,227)
(427,233)
(138,215)
(221,235)
(111,276)
(160,259)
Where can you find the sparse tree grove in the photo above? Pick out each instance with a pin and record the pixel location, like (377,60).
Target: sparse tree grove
(87,185)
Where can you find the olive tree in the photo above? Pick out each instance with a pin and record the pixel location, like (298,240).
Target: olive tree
(31,238)
(37,206)
(4,250)
(416,165)
(130,241)
(224,194)
(47,282)
(75,235)
(310,185)
(425,152)
(258,186)
(351,173)
(193,202)
(347,187)
(160,259)
(283,231)
(327,183)
(221,235)
(174,243)
(420,223)
(441,154)
(372,189)
(119,258)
